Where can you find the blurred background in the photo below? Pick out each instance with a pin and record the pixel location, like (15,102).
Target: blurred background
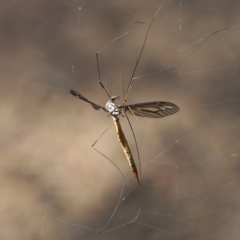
(54,185)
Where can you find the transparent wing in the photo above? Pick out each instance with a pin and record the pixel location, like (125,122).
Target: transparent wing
(152,109)
(78,95)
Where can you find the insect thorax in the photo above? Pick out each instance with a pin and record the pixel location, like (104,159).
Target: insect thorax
(113,109)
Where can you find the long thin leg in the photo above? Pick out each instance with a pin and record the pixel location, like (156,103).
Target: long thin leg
(140,172)
(120,197)
(99,78)
(102,134)
(172,68)
(143,46)
(123,183)
(121,194)
(124,101)
(184,59)
(124,32)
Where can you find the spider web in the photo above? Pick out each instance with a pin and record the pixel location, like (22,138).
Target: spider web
(54,185)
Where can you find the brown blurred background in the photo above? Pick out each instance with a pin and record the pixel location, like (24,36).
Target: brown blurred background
(54,185)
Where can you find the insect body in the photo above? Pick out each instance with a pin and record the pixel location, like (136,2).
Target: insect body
(115,111)
(147,109)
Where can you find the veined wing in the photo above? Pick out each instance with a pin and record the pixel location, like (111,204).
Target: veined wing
(94,105)
(152,109)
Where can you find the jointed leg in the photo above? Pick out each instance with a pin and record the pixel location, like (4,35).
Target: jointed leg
(99,78)
(143,46)
(97,53)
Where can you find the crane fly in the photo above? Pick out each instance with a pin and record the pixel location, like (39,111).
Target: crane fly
(156,109)
(147,109)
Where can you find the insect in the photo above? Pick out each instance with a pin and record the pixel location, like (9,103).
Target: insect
(156,109)
(147,109)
